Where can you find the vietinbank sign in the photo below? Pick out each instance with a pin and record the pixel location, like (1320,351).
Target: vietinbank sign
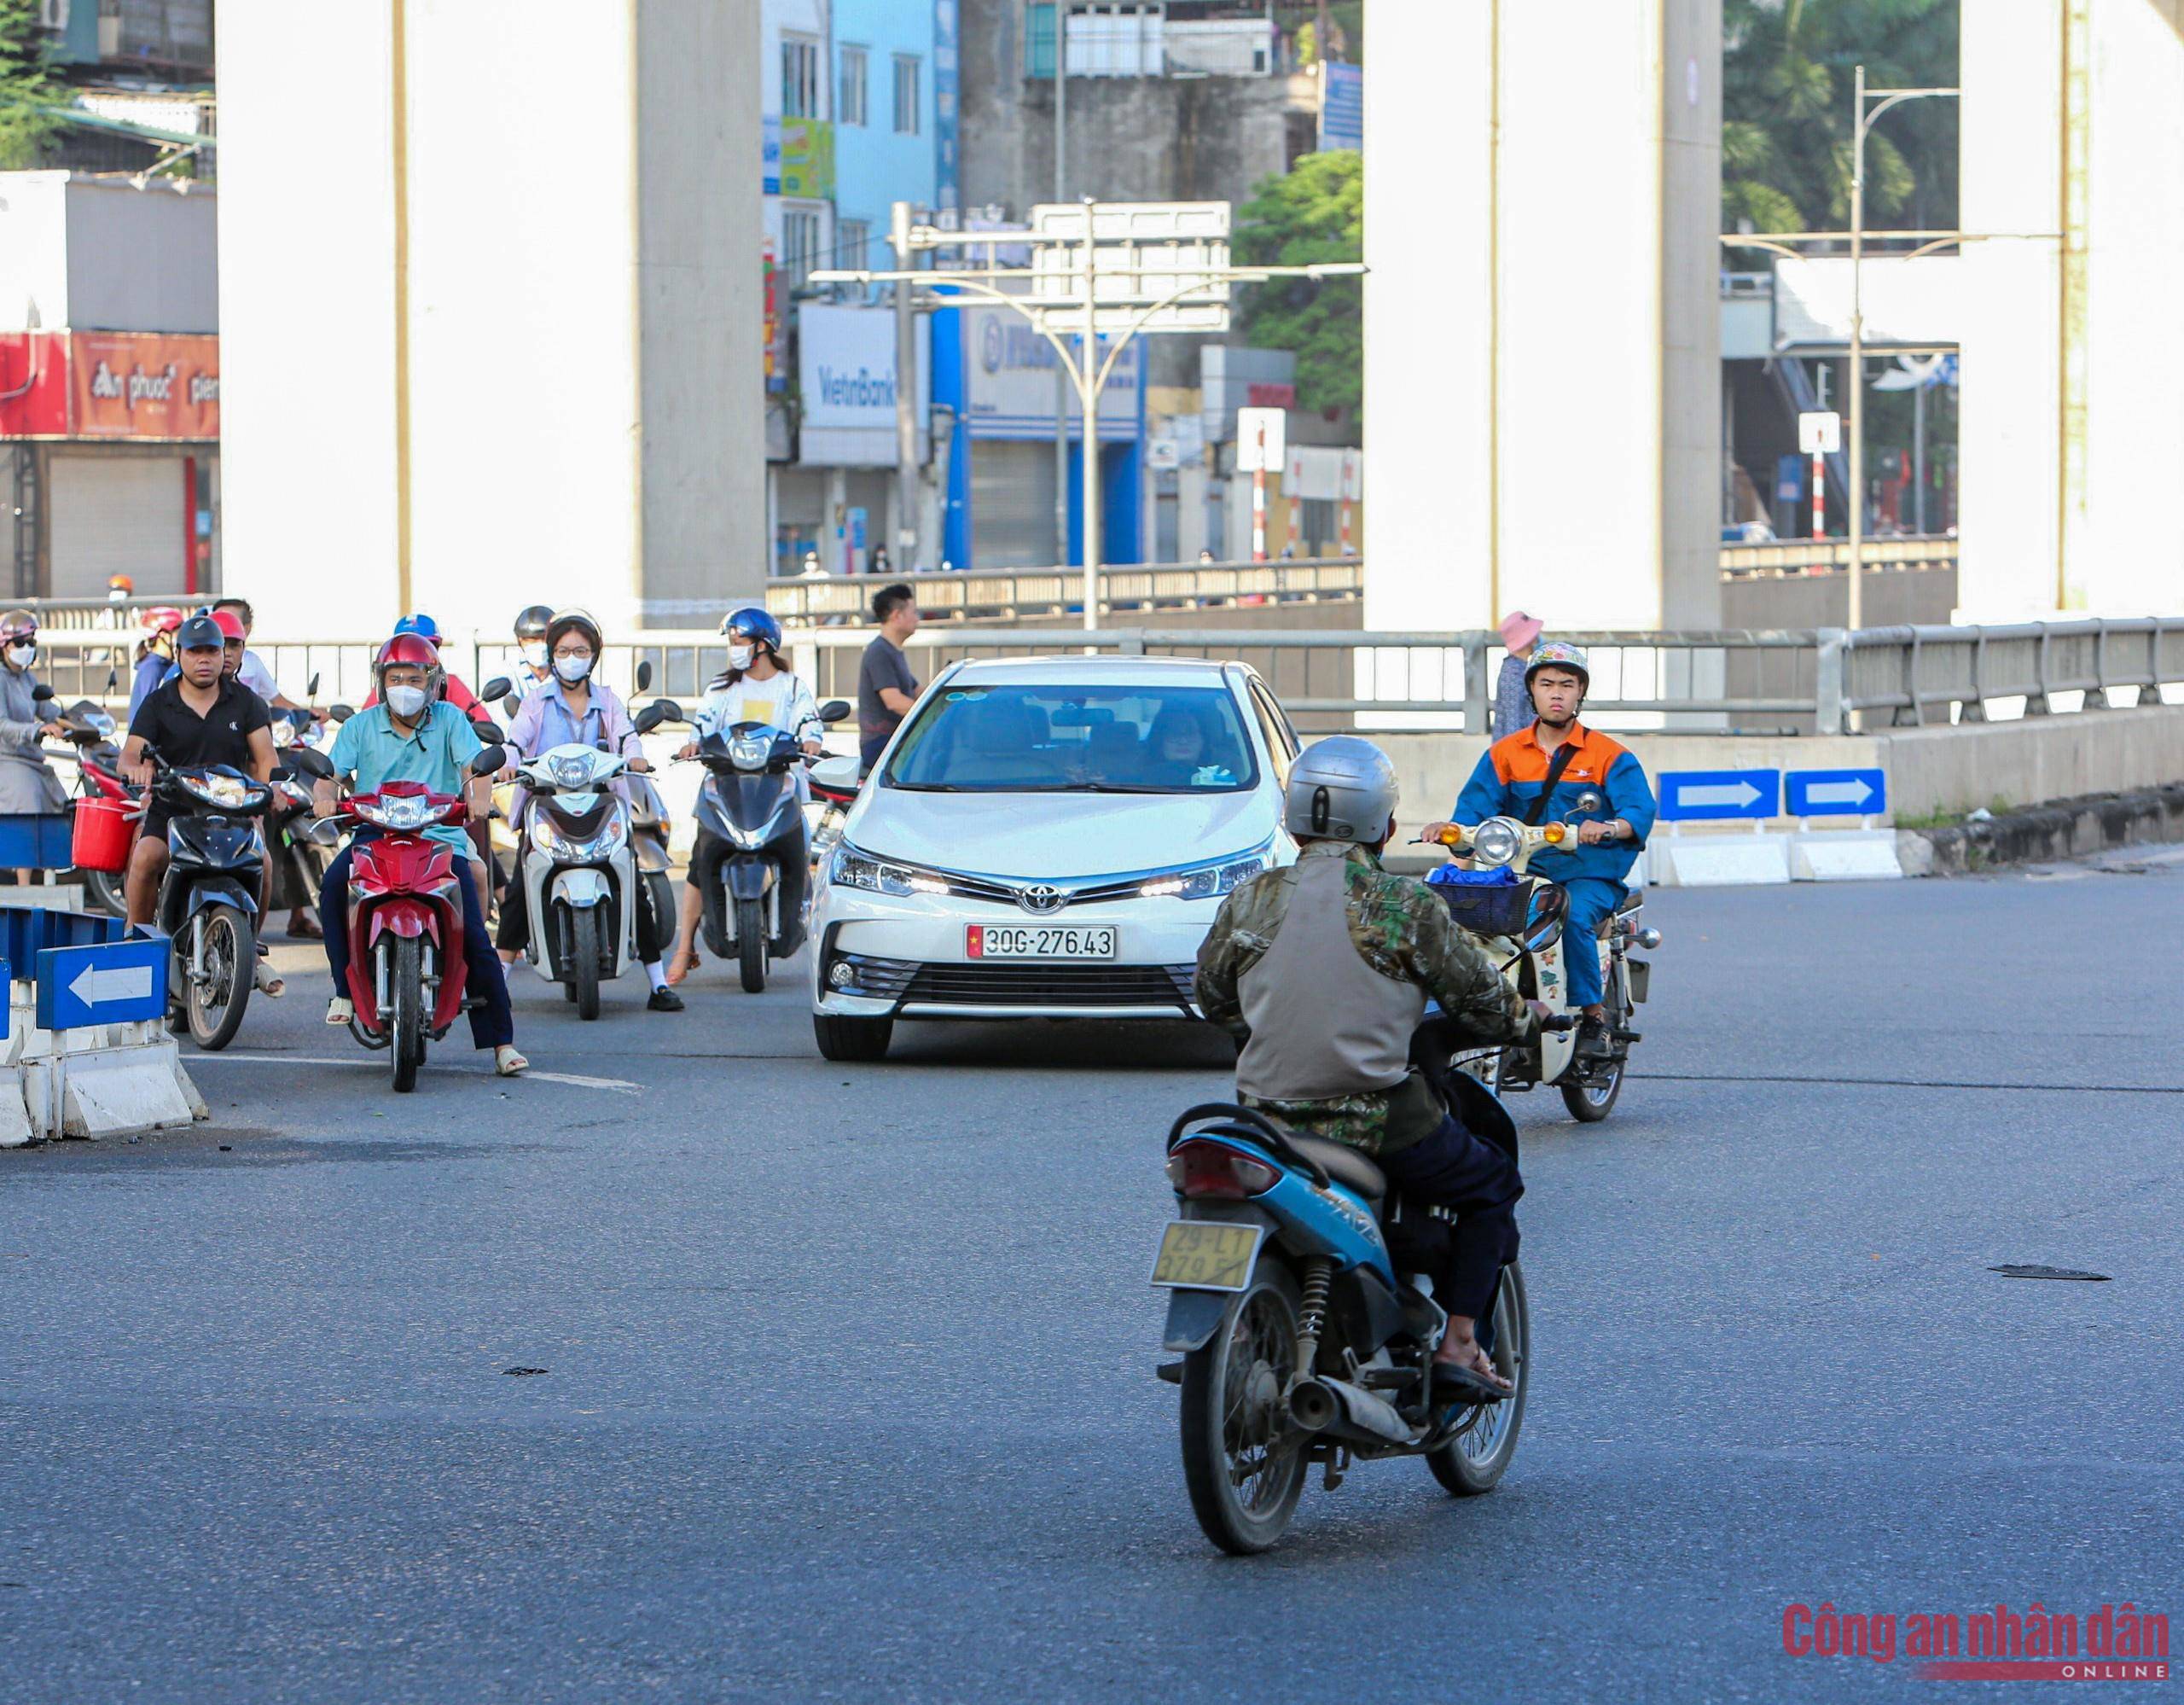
(1011,389)
(846,367)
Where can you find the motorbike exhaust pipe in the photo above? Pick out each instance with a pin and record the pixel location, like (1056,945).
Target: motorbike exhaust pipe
(1336,1406)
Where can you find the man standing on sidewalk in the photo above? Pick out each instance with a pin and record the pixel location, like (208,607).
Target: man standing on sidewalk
(1513,707)
(886,688)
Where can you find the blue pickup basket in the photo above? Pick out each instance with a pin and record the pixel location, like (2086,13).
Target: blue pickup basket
(36,843)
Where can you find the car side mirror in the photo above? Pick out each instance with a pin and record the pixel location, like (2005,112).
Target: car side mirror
(644,675)
(837,774)
(498,687)
(491,761)
(313,762)
(835,710)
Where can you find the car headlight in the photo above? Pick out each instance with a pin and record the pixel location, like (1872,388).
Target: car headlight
(851,868)
(1211,880)
(1495,842)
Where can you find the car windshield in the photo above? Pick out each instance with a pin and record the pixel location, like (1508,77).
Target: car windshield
(1040,739)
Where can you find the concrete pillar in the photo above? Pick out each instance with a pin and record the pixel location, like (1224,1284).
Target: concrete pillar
(1542,342)
(833,524)
(472,375)
(1190,511)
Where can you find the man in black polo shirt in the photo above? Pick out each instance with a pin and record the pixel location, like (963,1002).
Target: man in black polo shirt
(203,716)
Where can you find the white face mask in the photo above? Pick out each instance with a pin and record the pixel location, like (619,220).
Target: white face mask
(405,702)
(534,653)
(739,656)
(572,669)
(22,656)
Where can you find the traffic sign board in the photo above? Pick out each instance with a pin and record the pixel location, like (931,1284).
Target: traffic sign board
(1692,795)
(114,982)
(1820,433)
(1836,792)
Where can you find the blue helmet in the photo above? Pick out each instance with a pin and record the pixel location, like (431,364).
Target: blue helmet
(420,624)
(756,625)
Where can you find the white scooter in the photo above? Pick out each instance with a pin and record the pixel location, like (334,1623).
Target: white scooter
(1521,925)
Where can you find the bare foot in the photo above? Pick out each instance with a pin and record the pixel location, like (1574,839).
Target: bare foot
(684,961)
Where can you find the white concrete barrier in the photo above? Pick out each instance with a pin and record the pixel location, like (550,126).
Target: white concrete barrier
(102,1080)
(1717,860)
(1846,856)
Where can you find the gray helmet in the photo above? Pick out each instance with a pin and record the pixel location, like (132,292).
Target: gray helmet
(1342,788)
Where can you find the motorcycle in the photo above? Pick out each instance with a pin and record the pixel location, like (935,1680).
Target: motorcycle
(580,870)
(89,728)
(299,863)
(1296,1296)
(207,904)
(749,800)
(406,968)
(1521,924)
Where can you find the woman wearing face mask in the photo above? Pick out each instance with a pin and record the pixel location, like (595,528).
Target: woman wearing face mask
(572,709)
(755,687)
(28,786)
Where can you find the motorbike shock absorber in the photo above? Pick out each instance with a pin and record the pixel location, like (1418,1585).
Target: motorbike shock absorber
(1312,1314)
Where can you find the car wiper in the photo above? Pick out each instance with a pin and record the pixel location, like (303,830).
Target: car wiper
(925,787)
(1124,787)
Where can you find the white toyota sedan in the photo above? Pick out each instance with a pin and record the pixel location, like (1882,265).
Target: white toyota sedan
(1048,837)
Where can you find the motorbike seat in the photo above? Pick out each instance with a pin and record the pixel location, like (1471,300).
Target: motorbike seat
(1630,902)
(1350,1167)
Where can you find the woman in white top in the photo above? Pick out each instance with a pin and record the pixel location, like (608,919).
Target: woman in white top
(756,687)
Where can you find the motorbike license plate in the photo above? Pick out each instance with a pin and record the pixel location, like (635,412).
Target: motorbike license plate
(1206,1254)
(1038,941)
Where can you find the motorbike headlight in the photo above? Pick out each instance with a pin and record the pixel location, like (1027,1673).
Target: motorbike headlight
(851,869)
(750,751)
(559,844)
(1210,881)
(1495,842)
(570,768)
(406,811)
(231,793)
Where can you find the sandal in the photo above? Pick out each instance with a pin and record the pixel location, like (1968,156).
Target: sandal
(508,1062)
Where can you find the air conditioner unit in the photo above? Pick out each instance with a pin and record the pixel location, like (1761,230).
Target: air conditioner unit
(53,14)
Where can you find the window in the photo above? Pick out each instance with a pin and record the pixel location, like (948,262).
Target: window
(850,109)
(851,239)
(800,244)
(799,77)
(1077,739)
(906,68)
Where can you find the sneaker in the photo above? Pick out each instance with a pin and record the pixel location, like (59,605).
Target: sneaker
(663,999)
(1592,1039)
(339,1010)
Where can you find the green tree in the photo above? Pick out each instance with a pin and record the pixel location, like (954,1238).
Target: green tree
(1315,213)
(26,86)
(1787,68)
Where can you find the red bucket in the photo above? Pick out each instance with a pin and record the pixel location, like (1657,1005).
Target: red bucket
(103,834)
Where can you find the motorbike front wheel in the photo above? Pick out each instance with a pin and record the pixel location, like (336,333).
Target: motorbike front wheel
(583,960)
(1243,1491)
(750,944)
(405,1023)
(1475,1460)
(215,1005)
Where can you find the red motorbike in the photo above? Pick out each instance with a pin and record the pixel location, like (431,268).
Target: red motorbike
(405,915)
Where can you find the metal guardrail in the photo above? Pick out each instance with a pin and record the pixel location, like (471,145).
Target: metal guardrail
(1729,681)
(1013,594)
(1779,557)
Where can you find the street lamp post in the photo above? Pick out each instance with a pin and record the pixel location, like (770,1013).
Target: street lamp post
(1887,98)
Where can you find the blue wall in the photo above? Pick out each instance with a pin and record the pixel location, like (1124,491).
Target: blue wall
(874,166)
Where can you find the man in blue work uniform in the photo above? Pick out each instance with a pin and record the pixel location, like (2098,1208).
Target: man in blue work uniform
(1559,757)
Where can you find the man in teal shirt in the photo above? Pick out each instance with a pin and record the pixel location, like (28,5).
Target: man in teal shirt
(411,735)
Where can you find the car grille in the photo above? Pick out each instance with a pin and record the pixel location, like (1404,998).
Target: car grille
(1041,984)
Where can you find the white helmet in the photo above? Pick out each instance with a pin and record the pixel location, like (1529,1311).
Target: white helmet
(1342,788)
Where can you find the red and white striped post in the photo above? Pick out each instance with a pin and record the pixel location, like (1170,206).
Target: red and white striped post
(1259,501)
(1819,495)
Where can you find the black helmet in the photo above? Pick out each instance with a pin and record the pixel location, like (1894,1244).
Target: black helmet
(199,633)
(531,622)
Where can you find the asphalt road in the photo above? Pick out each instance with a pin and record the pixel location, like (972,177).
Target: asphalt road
(845,1374)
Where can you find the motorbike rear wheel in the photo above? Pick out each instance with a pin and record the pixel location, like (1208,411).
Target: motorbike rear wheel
(750,944)
(1591,1102)
(103,889)
(1242,1493)
(583,960)
(215,1006)
(1475,1460)
(405,1024)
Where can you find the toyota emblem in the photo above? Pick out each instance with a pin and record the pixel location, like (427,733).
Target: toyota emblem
(1041,897)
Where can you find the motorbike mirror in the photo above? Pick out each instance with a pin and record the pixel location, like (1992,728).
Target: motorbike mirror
(323,832)
(650,718)
(644,675)
(313,762)
(498,687)
(340,712)
(669,709)
(113,680)
(512,704)
(311,688)
(41,692)
(835,710)
(836,774)
(492,759)
(1589,801)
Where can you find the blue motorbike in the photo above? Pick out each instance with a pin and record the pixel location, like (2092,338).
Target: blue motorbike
(1295,1296)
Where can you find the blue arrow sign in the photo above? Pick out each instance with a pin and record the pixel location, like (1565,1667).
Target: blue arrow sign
(112,983)
(1836,792)
(1692,795)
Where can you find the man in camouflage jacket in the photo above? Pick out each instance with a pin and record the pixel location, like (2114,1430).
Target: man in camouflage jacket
(1322,971)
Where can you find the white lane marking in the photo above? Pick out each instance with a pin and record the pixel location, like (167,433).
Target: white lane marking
(620,1084)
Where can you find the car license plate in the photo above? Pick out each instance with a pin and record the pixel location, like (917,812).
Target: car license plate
(1206,1254)
(1038,941)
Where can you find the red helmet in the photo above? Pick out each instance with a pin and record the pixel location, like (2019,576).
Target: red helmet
(417,652)
(229,624)
(162,619)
